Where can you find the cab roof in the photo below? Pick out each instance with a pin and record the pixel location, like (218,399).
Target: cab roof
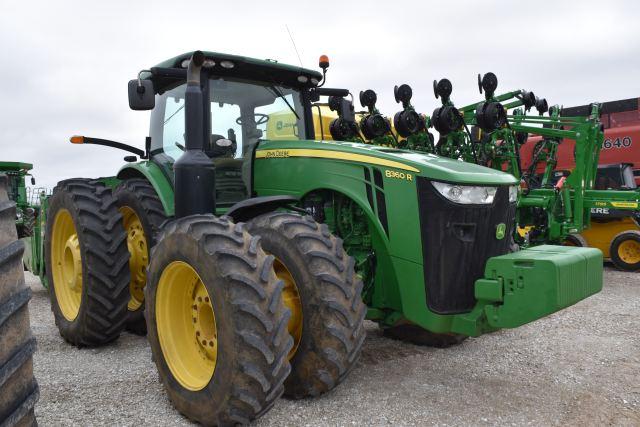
(245,67)
(15,166)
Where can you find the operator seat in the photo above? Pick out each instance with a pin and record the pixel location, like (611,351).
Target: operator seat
(230,187)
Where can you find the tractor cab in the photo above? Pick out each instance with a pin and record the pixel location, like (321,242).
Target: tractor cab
(243,100)
(617,176)
(237,114)
(16,172)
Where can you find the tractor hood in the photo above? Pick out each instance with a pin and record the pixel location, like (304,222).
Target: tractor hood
(427,165)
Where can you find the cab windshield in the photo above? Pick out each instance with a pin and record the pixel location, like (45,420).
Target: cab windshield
(242,112)
(239,114)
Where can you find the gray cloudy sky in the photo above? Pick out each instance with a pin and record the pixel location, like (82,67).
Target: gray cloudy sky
(65,65)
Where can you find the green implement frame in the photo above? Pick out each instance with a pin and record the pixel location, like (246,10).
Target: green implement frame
(548,211)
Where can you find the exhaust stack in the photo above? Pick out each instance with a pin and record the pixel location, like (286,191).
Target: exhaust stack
(194,171)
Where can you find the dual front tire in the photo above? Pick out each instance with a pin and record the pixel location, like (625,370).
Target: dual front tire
(233,326)
(323,293)
(217,323)
(142,218)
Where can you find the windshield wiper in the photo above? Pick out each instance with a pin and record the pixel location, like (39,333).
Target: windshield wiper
(279,94)
(176,112)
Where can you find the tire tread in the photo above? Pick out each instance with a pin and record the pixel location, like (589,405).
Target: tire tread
(104,262)
(339,332)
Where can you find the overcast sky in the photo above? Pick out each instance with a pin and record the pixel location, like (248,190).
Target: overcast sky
(65,65)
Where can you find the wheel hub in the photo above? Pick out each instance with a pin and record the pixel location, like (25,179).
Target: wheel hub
(66,265)
(139,257)
(186,325)
(72,268)
(204,322)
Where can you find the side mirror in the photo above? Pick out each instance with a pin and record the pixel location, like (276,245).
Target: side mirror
(141,95)
(33,181)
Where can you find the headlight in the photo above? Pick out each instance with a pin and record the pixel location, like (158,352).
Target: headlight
(513,194)
(466,194)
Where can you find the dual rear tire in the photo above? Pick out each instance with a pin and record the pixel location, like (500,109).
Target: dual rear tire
(87,263)
(97,247)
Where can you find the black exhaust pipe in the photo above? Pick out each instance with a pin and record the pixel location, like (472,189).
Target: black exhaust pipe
(194,170)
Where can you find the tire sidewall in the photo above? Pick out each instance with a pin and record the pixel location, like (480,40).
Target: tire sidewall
(212,396)
(126,198)
(289,253)
(330,296)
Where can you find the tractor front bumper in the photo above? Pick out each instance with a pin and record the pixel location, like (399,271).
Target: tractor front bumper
(527,285)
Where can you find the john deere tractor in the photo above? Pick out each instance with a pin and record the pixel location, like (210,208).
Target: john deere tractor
(16,173)
(254,260)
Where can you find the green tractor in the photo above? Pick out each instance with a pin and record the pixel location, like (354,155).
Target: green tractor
(30,209)
(17,191)
(254,261)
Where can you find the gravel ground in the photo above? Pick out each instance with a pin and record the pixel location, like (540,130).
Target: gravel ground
(577,367)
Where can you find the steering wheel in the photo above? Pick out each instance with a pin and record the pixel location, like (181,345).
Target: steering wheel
(260,119)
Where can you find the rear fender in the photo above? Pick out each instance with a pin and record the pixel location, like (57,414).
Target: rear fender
(152,173)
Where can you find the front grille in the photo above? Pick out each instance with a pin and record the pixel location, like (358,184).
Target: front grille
(457,240)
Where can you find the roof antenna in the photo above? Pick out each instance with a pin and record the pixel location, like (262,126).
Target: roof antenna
(294,44)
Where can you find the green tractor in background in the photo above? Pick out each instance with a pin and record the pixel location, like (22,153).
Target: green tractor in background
(17,191)
(252,262)
(30,209)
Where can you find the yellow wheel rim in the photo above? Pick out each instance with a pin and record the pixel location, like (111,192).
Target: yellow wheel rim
(186,326)
(66,267)
(291,298)
(139,260)
(629,251)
